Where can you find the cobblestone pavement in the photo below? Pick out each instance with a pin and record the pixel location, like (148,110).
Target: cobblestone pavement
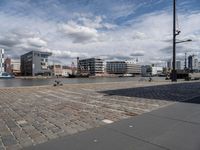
(33,115)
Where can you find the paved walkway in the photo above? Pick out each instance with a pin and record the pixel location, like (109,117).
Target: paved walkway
(176,127)
(34,115)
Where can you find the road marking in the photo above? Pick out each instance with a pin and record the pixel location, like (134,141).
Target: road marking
(107,121)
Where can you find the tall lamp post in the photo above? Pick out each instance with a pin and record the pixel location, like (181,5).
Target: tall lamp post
(175,33)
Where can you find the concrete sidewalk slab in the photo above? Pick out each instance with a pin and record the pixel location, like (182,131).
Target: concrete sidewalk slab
(169,133)
(183,136)
(187,112)
(175,127)
(145,127)
(97,139)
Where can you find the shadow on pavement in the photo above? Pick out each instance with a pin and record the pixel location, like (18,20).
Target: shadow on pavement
(183,92)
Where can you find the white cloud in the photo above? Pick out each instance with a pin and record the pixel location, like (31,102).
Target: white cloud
(36,41)
(139,35)
(79,33)
(138,53)
(64,54)
(85,28)
(87,35)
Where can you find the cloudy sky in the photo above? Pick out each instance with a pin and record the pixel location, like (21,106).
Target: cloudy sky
(110,29)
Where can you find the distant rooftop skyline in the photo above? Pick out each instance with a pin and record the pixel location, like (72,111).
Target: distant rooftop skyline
(113,30)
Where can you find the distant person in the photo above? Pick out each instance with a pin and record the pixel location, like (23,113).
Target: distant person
(150,79)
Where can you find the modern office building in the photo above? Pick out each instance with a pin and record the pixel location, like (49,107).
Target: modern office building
(199,66)
(193,63)
(146,70)
(91,66)
(196,63)
(60,70)
(15,66)
(157,71)
(169,64)
(12,66)
(177,65)
(133,68)
(116,67)
(123,67)
(66,70)
(190,62)
(56,69)
(2,60)
(35,63)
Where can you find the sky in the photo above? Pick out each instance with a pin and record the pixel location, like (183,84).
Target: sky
(109,29)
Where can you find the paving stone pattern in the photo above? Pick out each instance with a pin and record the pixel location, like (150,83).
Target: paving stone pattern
(34,115)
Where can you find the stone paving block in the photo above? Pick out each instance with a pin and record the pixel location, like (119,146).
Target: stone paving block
(70,130)
(1,144)
(34,134)
(5,132)
(26,142)
(15,129)
(20,134)
(40,127)
(51,136)
(39,139)
(14,147)
(2,126)
(2,148)
(74,108)
(8,140)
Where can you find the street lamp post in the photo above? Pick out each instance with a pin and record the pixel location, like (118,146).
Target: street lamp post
(175,33)
(189,40)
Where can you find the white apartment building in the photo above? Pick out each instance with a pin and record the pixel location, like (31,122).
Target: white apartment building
(132,67)
(15,65)
(157,70)
(91,66)
(123,67)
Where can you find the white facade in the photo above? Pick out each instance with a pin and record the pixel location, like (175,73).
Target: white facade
(157,70)
(1,60)
(57,69)
(196,63)
(15,65)
(177,65)
(169,64)
(91,66)
(199,66)
(66,71)
(123,67)
(116,67)
(193,63)
(132,67)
